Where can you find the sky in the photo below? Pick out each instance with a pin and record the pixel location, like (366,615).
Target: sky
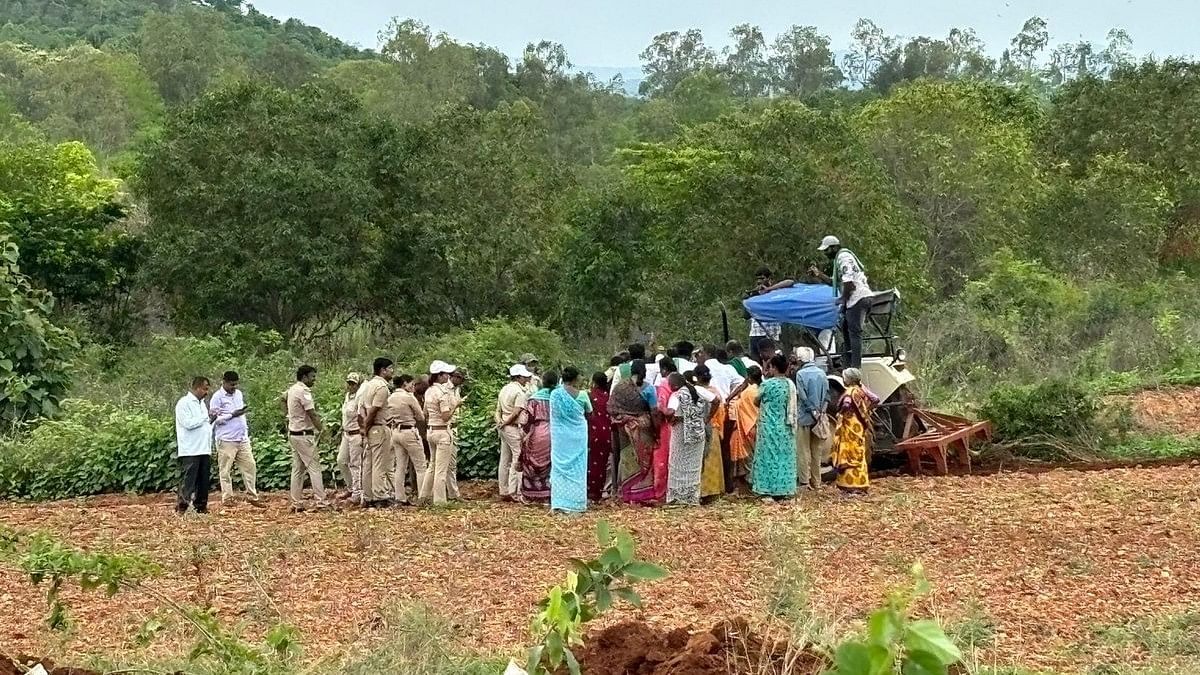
(614,32)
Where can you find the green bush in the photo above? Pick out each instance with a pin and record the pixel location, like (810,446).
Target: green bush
(1053,408)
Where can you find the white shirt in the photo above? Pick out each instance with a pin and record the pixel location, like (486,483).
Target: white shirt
(749,362)
(724,376)
(765,329)
(193,430)
(652,374)
(684,365)
(852,271)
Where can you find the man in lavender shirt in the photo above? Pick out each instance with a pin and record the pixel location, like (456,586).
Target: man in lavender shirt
(233,439)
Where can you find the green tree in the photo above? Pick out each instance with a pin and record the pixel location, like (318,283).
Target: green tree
(478,196)
(1109,223)
(34,361)
(64,216)
(101,98)
(672,57)
(802,62)
(870,47)
(1145,113)
(955,152)
(183,51)
(746,63)
(262,208)
(763,188)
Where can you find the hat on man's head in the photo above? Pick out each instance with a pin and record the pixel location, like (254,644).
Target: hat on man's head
(527,359)
(829,241)
(355,378)
(519,370)
(439,367)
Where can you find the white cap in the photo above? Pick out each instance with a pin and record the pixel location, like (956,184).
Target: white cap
(519,370)
(829,241)
(439,367)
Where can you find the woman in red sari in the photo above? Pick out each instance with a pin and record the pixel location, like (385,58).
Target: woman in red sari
(662,452)
(535,445)
(599,439)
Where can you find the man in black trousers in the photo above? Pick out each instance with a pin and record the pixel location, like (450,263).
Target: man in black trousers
(194,442)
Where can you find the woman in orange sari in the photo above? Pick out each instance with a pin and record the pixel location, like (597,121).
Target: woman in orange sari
(743,407)
(852,439)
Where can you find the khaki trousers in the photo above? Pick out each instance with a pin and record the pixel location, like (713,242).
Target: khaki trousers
(350,456)
(305,460)
(377,464)
(230,453)
(510,461)
(408,450)
(438,475)
(810,453)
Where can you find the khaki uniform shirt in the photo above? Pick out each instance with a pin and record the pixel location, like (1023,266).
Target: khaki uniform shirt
(299,402)
(374,394)
(350,411)
(512,398)
(439,401)
(403,409)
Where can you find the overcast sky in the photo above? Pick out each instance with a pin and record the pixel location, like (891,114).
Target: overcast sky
(614,32)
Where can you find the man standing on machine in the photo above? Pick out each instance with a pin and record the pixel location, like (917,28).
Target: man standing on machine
(849,282)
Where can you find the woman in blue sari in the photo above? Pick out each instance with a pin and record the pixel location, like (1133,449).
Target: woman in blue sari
(568,446)
(773,473)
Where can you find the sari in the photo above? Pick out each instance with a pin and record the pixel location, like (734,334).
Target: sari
(568,452)
(852,438)
(535,447)
(712,476)
(629,409)
(745,429)
(774,471)
(662,451)
(599,444)
(688,441)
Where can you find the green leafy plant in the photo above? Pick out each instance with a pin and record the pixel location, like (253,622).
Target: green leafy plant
(46,559)
(590,589)
(1058,408)
(895,643)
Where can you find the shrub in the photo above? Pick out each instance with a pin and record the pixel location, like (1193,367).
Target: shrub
(33,352)
(1054,408)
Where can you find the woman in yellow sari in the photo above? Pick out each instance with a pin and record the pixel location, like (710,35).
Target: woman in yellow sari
(852,440)
(743,407)
(712,476)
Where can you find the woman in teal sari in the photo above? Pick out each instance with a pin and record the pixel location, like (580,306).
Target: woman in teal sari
(568,446)
(773,474)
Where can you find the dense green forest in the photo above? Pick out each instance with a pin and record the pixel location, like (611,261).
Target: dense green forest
(189,185)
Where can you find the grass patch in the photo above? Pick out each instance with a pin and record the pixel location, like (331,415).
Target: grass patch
(419,642)
(975,631)
(1159,646)
(1157,447)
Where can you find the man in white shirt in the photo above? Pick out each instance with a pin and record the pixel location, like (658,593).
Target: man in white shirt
(724,376)
(761,331)
(193,441)
(853,293)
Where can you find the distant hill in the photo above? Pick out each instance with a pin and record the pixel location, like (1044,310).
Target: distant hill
(53,25)
(632,75)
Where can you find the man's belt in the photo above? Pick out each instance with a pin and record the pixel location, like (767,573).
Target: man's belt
(444,427)
(352,432)
(306,432)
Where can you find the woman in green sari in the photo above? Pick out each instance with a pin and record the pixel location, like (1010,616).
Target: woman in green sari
(773,473)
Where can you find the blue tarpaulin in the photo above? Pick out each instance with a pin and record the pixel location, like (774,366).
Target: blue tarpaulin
(809,305)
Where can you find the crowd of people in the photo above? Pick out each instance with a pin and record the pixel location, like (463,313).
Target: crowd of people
(682,428)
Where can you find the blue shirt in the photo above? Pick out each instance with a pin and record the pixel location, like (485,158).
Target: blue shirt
(813,390)
(650,396)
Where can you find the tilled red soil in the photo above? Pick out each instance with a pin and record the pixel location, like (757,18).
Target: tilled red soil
(728,648)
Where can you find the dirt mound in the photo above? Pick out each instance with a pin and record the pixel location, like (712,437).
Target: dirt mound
(22,664)
(635,648)
(1172,411)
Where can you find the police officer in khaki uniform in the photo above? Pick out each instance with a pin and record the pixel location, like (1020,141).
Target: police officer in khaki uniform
(509,404)
(457,379)
(404,414)
(440,405)
(303,425)
(377,452)
(350,449)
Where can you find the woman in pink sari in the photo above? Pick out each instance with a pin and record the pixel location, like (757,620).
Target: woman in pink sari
(630,406)
(535,444)
(662,452)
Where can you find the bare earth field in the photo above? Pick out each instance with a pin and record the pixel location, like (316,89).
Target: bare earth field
(1046,561)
